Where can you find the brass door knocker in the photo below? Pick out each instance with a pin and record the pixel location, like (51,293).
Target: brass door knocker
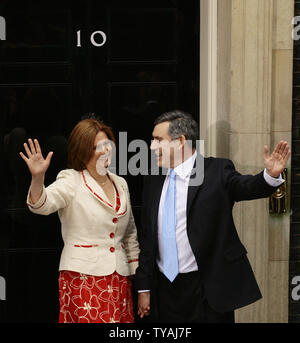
(278,200)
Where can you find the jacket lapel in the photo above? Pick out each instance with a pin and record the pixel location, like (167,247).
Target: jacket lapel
(122,193)
(157,189)
(196,180)
(95,190)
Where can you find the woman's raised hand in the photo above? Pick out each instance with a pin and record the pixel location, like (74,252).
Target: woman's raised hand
(35,161)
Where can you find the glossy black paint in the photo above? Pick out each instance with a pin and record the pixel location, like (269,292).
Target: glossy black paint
(149,64)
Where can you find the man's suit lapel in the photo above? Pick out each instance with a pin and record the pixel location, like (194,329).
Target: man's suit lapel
(157,189)
(196,180)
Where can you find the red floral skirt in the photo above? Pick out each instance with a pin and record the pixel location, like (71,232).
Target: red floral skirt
(94,299)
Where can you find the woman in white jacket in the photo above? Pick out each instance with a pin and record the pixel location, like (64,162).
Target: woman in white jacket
(100,238)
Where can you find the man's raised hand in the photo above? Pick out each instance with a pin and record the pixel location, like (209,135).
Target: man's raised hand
(276,162)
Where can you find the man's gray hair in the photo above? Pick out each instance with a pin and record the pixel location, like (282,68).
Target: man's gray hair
(181,123)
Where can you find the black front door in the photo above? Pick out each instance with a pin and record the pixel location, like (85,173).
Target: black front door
(127,62)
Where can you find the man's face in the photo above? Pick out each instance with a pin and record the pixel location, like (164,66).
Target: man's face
(163,146)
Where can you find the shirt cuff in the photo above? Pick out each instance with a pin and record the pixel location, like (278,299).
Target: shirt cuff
(273,181)
(143,291)
(37,205)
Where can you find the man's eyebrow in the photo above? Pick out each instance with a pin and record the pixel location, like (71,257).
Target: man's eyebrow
(157,137)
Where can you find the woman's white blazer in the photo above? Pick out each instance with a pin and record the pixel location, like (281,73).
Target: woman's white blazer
(97,239)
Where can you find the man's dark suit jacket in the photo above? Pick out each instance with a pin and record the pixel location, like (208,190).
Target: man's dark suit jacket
(226,274)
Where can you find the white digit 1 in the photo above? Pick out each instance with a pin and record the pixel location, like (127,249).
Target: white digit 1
(103,35)
(79,39)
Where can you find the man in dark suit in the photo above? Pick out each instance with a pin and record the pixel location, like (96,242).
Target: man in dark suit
(192,265)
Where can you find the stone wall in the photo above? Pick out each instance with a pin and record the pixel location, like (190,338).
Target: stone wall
(254,108)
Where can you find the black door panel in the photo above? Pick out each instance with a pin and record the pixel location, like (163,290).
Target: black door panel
(148,64)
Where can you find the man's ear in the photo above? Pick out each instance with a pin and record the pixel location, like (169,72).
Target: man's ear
(182,141)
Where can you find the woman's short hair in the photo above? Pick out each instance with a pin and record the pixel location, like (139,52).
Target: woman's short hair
(81,142)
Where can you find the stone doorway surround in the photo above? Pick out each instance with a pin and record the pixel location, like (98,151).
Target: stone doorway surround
(246,68)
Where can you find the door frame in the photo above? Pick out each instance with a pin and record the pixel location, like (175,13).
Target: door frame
(208,74)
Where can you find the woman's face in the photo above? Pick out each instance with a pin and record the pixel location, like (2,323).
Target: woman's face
(101,157)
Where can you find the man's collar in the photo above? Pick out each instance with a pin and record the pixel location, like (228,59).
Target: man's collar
(184,169)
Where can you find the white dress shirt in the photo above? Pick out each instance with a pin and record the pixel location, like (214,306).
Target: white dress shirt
(186,259)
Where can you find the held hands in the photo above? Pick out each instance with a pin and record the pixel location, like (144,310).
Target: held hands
(35,161)
(276,162)
(144,304)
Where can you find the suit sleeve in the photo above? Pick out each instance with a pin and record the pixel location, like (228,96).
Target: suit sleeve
(130,239)
(144,271)
(245,187)
(56,196)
